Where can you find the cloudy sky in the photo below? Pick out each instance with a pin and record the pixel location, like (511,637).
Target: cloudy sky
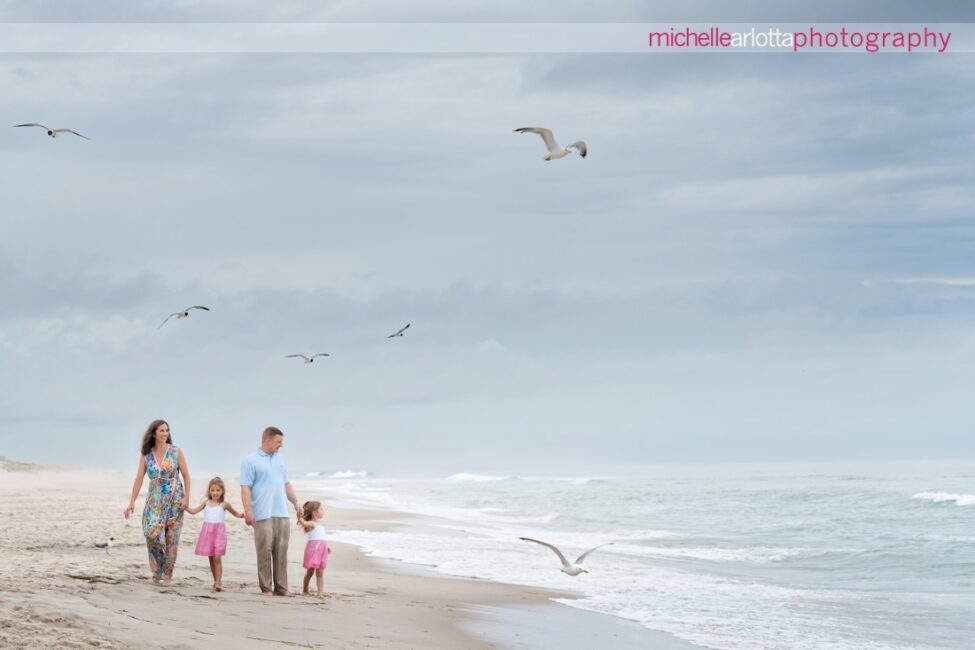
(764,257)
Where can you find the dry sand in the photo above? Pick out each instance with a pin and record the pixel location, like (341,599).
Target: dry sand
(58,590)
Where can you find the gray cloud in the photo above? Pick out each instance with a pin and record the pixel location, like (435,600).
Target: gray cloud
(764,257)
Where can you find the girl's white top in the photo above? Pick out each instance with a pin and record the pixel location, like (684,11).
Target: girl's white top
(317,534)
(214,515)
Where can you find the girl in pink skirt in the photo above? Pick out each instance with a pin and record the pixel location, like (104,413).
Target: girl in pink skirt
(316,549)
(213,534)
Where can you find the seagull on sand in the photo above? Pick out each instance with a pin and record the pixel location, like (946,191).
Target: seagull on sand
(573,569)
(310,359)
(107,544)
(400,332)
(555,151)
(54,132)
(183,314)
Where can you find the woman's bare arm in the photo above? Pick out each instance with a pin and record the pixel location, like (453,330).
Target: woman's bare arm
(136,486)
(185,471)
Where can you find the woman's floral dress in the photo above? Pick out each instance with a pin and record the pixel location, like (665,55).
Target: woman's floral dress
(162,518)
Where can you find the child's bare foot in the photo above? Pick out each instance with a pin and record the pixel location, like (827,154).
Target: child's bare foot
(218,587)
(306,593)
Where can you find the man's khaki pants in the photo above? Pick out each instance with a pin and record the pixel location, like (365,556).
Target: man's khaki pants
(271,541)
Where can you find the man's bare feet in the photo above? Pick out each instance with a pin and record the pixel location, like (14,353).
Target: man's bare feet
(267,593)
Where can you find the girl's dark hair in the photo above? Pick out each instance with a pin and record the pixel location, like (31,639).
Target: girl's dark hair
(216,480)
(149,437)
(308,510)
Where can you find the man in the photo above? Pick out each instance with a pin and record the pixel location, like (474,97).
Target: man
(265,491)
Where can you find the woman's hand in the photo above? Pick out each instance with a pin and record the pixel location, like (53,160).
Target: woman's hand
(128,511)
(185,503)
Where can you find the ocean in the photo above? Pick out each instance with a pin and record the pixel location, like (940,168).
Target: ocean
(759,557)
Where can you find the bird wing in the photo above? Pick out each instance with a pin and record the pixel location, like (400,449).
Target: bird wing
(546,136)
(404,329)
(586,554)
(581,146)
(175,313)
(565,562)
(70,131)
(102,544)
(34,124)
(195,306)
(321,354)
(293,356)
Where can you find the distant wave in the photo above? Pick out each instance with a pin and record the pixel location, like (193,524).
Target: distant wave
(476,478)
(343,474)
(949,497)
(348,474)
(490,478)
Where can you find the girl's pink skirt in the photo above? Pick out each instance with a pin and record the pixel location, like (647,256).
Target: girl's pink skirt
(213,539)
(316,554)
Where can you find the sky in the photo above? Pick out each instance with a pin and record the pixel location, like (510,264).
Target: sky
(763,257)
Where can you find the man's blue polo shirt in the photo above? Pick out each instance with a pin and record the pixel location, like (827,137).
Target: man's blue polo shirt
(266,476)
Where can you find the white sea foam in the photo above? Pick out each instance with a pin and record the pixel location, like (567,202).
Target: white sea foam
(349,474)
(476,478)
(947,497)
(731,564)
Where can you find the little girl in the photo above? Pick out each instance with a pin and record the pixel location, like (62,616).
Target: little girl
(316,549)
(213,533)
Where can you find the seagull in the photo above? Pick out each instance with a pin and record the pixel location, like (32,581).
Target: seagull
(399,333)
(54,132)
(310,359)
(555,151)
(105,545)
(183,314)
(570,569)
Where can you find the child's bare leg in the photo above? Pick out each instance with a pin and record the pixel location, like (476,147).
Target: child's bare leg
(308,575)
(320,581)
(217,572)
(213,570)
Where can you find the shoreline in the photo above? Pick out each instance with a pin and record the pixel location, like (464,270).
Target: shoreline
(61,591)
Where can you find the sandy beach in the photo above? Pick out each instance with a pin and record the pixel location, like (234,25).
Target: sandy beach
(60,591)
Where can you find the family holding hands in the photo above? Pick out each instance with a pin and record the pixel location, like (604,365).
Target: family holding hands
(265,492)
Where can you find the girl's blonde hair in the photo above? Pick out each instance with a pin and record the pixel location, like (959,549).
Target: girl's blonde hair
(308,509)
(216,480)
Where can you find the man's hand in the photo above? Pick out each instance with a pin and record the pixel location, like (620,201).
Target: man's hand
(249,517)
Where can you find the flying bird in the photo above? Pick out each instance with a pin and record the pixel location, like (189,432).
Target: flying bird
(310,359)
(106,544)
(54,132)
(573,569)
(555,151)
(183,314)
(400,332)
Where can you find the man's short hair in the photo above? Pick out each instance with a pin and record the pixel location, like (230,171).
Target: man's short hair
(270,432)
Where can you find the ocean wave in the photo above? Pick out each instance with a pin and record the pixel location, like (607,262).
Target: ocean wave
(946,497)
(476,478)
(348,474)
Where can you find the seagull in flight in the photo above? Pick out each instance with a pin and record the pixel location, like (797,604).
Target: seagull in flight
(555,151)
(573,569)
(310,359)
(400,332)
(54,132)
(107,544)
(183,314)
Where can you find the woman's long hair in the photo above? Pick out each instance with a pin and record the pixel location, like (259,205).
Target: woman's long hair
(149,437)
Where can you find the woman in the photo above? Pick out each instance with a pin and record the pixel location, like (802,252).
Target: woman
(162,518)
